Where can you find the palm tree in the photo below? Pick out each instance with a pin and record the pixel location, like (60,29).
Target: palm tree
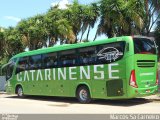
(41,31)
(75,15)
(119,17)
(33,33)
(94,15)
(58,26)
(151,15)
(65,32)
(13,44)
(50,21)
(1,43)
(84,20)
(38,33)
(90,17)
(22,28)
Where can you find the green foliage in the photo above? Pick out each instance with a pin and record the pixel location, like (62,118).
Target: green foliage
(1,44)
(13,43)
(3,61)
(117,18)
(151,15)
(120,17)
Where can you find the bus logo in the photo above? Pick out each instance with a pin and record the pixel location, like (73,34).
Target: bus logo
(109,54)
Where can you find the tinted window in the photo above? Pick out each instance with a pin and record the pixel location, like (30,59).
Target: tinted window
(22,64)
(111,52)
(9,69)
(87,56)
(49,60)
(67,58)
(35,62)
(144,46)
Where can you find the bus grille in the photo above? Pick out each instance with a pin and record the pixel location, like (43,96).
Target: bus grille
(145,63)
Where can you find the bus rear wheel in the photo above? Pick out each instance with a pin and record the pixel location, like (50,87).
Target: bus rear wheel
(83,94)
(20,91)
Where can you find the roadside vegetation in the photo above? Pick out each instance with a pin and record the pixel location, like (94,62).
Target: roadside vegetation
(114,18)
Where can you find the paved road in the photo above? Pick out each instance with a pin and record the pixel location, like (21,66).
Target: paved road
(52,105)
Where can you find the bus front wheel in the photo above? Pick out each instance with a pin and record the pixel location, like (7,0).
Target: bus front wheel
(20,91)
(83,94)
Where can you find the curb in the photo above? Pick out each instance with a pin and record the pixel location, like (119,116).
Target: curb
(2,92)
(153,97)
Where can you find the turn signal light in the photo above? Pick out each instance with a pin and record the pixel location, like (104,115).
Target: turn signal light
(133,79)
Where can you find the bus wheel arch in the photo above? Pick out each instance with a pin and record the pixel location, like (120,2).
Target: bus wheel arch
(19,90)
(83,93)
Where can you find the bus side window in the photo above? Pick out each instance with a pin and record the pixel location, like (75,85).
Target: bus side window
(87,56)
(67,58)
(110,52)
(49,60)
(22,64)
(44,60)
(35,62)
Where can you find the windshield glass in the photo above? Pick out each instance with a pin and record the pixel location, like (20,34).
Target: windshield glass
(8,69)
(144,46)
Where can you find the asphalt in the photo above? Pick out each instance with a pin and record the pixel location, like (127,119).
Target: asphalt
(155,97)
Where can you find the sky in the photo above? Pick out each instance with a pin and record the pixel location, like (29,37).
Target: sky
(12,11)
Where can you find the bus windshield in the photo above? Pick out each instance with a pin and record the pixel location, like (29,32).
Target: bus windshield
(7,70)
(144,46)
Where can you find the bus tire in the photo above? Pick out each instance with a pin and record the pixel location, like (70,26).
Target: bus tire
(83,94)
(20,92)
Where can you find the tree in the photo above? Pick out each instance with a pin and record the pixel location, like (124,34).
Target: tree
(33,32)
(94,15)
(58,26)
(22,28)
(64,31)
(119,17)
(90,17)
(1,44)
(13,43)
(37,32)
(150,15)
(74,14)
(54,14)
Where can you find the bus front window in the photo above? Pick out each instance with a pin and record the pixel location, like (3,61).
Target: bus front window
(8,69)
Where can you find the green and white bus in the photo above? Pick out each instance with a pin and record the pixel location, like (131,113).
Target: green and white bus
(116,68)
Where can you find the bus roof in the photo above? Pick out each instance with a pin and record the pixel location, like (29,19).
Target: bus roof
(69,46)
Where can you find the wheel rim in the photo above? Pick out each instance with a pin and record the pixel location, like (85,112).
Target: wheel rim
(20,92)
(83,95)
